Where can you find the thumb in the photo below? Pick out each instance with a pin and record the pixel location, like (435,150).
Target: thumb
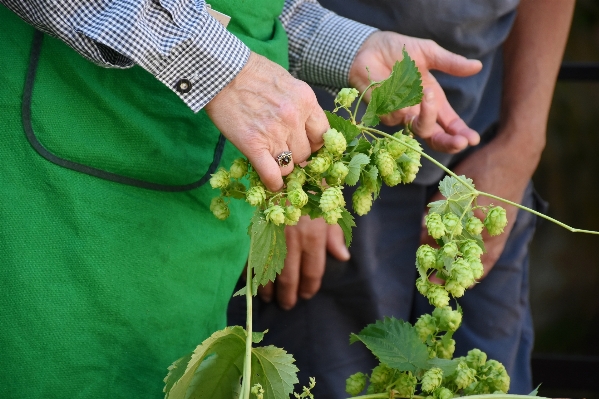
(451,63)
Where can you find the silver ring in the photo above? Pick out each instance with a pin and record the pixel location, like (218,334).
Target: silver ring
(284,158)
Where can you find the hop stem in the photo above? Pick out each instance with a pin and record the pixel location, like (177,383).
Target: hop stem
(474,191)
(244,393)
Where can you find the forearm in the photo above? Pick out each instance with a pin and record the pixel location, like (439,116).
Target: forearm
(322,44)
(172,42)
(532,57)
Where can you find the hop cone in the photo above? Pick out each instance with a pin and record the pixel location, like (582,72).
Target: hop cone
(435,226)
(298,198)
(220,179)
(355,384)
(292,215)
(426,325)
(474,226)
(331,198)
(334,142)
(255,196)
(239,168)
(448,319)
(432,379)
(346,97)
(385,162)
(332,216)
(219,208)
(362,201)
(452,224)
(275,214)
(496,220)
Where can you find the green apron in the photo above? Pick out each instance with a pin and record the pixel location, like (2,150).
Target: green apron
(113,266)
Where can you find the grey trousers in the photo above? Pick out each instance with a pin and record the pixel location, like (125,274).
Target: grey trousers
(379,281)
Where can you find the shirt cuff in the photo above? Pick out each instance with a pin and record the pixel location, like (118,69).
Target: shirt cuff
(199,69)
(329,55)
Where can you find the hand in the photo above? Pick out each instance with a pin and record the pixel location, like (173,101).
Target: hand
(434,119)
(265,111)
(307,244)
(497,169)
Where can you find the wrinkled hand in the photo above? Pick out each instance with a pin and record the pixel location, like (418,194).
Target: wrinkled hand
(307,245)
(434,119)
(265,111)
(495,170)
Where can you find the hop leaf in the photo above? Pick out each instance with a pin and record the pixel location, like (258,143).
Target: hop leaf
(298,198)
(346,97)
(334,142)
(362,200)
(239,168)
(431,380)
(385,162)
(355,384)
(255,196)
(220,179)
(496,220)
(332,198)
(448,319)
(474,226)
(219,208)
(452,224)
(434,225)
(275,214)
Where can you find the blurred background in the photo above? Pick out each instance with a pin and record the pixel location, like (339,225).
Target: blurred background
(564,265)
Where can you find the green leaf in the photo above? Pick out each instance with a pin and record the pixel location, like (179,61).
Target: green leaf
(218,377)
(452,188)
(395,343)
(257,337)
(273,368)
(373,175)
(214,369)
(535,391)
(349,130)
(346,222)
(402,89)
(267,250)
(363,146)
(355,167)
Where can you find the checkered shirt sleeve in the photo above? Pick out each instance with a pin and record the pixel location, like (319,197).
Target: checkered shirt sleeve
(322,44)
(185,48)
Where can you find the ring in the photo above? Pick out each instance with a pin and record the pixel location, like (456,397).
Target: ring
(284,158)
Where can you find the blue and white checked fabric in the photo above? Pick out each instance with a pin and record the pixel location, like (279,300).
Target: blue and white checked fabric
(178,39)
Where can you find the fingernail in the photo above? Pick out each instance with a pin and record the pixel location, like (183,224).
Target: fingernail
(429,95)
(266,298)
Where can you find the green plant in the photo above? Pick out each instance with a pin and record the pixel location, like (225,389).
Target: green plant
(415,361)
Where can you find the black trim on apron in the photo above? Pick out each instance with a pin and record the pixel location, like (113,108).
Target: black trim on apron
(36,48)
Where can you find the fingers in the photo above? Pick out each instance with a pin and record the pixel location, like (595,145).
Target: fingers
(448,62)
(316,125)
(268,169)
(336,243)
